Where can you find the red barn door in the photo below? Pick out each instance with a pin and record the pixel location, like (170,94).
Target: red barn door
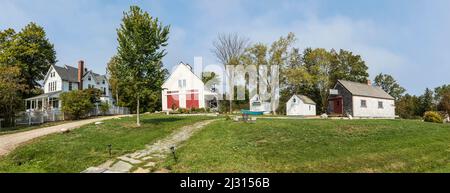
(192,101)
(173,102)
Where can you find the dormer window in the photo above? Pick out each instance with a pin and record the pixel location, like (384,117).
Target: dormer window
(295,100)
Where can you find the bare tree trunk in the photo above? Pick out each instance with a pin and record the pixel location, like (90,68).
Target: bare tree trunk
(138,122)
(231,106)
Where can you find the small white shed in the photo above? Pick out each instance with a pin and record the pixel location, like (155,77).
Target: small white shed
(257,104)
(300,105)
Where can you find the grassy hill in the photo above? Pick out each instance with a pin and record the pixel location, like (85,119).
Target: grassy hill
(317,146)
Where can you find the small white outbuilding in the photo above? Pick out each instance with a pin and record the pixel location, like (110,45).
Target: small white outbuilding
(260,105)
(300,105)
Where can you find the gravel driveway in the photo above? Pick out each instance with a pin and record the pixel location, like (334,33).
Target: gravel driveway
(10,141)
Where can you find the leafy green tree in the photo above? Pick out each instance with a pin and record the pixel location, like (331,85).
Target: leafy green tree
(113,76)
(280,54)
(390,85)
(94,94)
(444,103)
(11,86)
(142,39)
(30,50)
(426,102)
(76,104)
(319,66)
(440,91)
(408,107)
(347,66)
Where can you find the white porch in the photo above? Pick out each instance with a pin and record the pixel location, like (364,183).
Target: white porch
(44,102)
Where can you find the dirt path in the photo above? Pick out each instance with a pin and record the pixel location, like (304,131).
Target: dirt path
(144,161)
(9,142)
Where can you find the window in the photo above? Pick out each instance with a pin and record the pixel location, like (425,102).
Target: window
(70,86)
(380,104)
(104,91)
(89,78)
(295,100)
(309,107)
(103,82)
(182,83)
(363,103)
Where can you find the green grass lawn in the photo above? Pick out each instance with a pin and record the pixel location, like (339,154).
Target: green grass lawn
(87,146)
(273,145)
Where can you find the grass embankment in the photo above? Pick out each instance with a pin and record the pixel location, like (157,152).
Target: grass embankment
(87,146)
(273,145)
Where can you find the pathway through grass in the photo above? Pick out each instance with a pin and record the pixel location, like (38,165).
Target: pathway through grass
(87,146)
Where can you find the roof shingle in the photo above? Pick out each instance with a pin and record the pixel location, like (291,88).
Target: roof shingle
(360,89)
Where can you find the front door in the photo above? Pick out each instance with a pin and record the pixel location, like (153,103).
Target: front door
(192,101)
(337,105)
(172,102)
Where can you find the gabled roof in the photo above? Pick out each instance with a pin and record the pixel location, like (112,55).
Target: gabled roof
(305,99)
(360,89)
(181,64)
(68,73)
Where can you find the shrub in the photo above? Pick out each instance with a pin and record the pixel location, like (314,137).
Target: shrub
(432,116)
(76,104)
(182,110)
(104,107)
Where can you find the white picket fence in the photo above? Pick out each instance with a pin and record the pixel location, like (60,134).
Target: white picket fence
(39,117)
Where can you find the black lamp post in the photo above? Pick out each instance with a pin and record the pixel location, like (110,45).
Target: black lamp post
(173,153)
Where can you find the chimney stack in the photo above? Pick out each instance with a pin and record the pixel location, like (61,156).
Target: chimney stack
(80,74)
(369,82)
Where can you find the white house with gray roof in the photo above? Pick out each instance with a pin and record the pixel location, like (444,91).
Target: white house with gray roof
(64,79)
(300,105)
(360,100)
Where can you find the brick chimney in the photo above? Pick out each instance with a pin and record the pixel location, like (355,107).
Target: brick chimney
(369,82)
(80,74)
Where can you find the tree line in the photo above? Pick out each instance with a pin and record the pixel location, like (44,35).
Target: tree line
(316,70)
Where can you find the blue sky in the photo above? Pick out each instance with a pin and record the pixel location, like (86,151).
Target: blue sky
(409,39)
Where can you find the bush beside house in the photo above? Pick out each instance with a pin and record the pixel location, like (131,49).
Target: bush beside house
(104,107)
(76,104)
(432,116)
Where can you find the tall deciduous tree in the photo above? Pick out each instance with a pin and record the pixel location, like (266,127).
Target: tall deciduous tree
(320,67)
(112,71)
(142,39)
(30,50)
(426,102)
(444,103)
(347,66)
(228,49)
(390,85)
(11,86)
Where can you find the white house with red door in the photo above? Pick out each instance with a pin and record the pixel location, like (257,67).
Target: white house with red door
(184,89)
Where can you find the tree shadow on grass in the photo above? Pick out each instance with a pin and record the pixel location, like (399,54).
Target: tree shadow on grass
(156,121)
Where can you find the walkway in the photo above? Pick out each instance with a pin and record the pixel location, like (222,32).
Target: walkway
(144,161)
